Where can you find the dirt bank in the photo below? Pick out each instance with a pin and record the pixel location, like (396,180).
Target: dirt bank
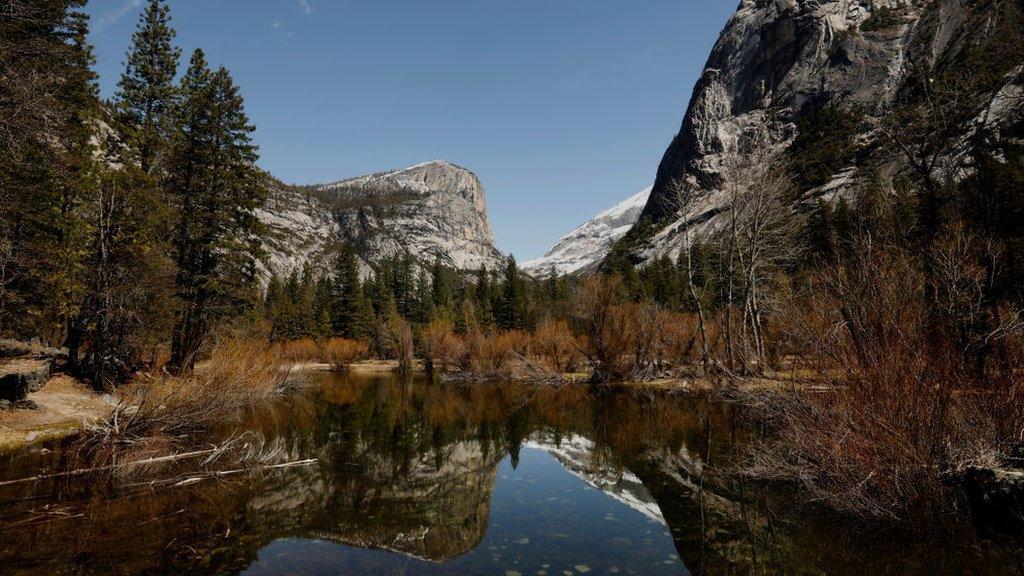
(62,407)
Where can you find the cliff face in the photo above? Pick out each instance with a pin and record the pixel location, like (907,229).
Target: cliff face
(432,210)
(777,59)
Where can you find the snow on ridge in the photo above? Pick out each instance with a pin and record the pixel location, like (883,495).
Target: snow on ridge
(574,454)
(590,242)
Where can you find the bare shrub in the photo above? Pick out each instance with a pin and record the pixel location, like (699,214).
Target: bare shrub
(555,344)
(489,356)
(400,334)
(441,345)
(624,341)
(899,413)
(341,353)
(297,351)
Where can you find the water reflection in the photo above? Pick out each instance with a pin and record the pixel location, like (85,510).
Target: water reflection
(421,478)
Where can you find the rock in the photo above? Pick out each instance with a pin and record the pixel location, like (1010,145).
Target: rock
(23,376)
(6,405)
(996,497)
(588,244)
(775,57)
(12,348)
(433,210)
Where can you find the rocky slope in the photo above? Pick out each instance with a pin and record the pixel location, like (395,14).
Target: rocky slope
(432,210)
(778,60)
(589,243)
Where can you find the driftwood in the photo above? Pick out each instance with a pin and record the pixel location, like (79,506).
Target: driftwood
(112,467)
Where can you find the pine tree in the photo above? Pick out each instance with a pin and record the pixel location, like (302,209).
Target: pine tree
(47,104)
(323,297)
(483,298)
(217,189)
(425,309)
(440,285)
(129,301)
(512,313)
(347,294)
(146,92)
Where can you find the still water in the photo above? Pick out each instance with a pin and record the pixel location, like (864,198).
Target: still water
(414,477)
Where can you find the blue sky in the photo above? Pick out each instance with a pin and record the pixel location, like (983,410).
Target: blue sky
(563,108)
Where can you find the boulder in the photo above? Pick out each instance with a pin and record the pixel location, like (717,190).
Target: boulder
(16,348)
(22,376)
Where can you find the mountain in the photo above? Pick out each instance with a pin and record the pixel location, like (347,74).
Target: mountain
(432,210)
(589,243)
(812,83)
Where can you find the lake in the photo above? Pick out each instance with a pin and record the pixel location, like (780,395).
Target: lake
(418,477)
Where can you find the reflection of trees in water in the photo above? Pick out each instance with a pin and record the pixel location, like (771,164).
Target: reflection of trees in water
(411,466)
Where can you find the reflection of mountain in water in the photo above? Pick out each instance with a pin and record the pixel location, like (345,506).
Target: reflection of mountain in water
(430,508)
(577,455)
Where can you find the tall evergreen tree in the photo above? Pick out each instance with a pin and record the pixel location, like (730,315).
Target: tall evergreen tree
(483,298)
(347,294)
(47,103)
(512,313)
(146,92)
(217,189)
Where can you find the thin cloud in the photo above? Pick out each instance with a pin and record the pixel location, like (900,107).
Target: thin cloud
(276,25)
(306,7)
(113,17)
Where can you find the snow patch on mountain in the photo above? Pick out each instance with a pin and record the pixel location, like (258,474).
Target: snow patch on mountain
(590,242)
(576,453)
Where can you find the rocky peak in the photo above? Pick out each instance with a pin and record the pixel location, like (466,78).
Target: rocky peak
(777,58)
(434,210)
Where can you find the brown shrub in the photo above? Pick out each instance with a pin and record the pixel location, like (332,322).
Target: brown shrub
(901,412)
(441,344)
(625,341)
(489,356)
(340,353)
(401,340)
(555,345)
(298,351)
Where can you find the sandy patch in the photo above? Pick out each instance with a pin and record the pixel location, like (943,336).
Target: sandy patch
(64,406)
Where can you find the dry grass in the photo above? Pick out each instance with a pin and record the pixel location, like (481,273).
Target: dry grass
(156,413)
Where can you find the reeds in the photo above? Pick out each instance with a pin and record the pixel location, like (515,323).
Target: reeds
(157,412)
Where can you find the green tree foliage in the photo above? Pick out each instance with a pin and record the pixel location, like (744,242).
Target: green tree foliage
(824,144)
(512,311)
(47,108)
(129,300)
(216,189)
(146,93)
(351,314)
